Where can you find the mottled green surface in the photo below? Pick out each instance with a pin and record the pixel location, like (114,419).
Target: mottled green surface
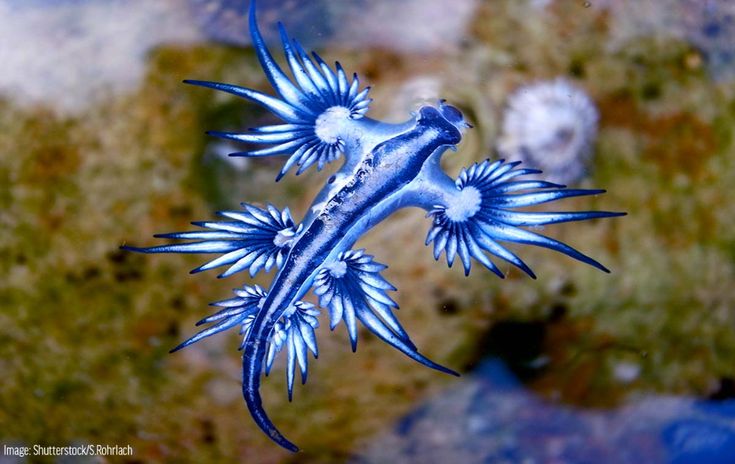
(85,329)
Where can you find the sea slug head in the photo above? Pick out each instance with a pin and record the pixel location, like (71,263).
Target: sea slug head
(447,118)
(453,115)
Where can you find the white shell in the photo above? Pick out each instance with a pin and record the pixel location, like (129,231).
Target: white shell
(552,126)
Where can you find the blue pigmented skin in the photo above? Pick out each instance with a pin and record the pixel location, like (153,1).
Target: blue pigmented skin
(386,167)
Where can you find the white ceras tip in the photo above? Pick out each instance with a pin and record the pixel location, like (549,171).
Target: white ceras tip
(284,237)
(331,123)
(337,269)
(465,205)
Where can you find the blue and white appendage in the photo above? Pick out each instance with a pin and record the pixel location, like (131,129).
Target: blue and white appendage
(352,289)
(478,211)
(254,239)
(314,108)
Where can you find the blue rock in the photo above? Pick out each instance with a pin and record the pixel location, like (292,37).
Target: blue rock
(694,441)
(491,417)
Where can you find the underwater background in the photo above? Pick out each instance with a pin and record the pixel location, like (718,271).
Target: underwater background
(101,145)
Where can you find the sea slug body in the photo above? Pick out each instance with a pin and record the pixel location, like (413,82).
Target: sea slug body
(386,167)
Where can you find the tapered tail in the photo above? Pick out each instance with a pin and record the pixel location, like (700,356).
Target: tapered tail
(252,367)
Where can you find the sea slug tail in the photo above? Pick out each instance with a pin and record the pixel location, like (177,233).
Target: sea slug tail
(252,362)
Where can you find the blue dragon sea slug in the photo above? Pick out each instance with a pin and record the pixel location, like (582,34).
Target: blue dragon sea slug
(386,167)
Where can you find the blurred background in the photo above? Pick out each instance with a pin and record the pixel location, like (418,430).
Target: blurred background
(101,145)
